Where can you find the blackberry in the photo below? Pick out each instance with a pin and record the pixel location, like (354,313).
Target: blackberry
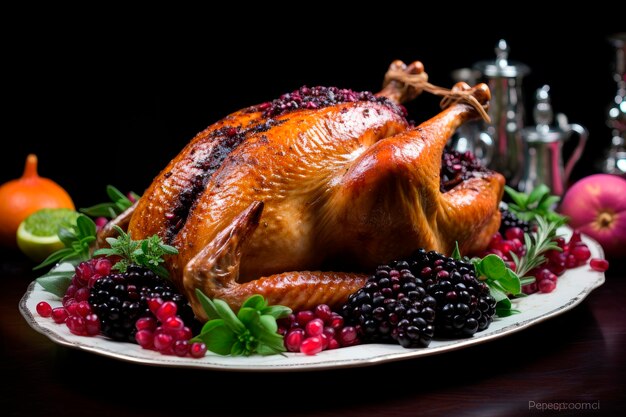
(392,307)
(510,220)
(464,304)
(120,299)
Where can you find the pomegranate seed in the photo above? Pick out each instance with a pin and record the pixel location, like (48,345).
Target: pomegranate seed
(329,332)
(146,323)
(71,291)
(82,294)
(76,324)
(92,324)
(197,350)
(154,304)
(66,300)
(571,262)
(294,339)
(59,315)
(494,243)
(546,285)
(166,310)
(145,339)
(530,288)
(348,336)
(72,308)
(44,309)
(575,238)
(336,322)
(102,267)
(163,342)
(581,252)
(514,233)
(181,348)
(173,324)
(323,312)
(324,341)
(599,264)
(83,272)
(305,316)
(545,274)
(83,308)
(333,344)
(315,327)
(311,345)
(184,334)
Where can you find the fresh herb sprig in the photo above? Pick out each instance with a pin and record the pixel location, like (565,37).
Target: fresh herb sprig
(77,240)
(252,330)
(503,282)
(537,244)
(539,203)
(147,252)
(118,204)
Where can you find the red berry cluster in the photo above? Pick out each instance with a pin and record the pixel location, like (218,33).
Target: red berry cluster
(76,311)
(573,253)
(311,331)
(166,332)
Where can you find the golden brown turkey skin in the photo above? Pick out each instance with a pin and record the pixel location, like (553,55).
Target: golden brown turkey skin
(342,188)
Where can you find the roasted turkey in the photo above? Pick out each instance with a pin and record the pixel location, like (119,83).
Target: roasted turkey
(299,198)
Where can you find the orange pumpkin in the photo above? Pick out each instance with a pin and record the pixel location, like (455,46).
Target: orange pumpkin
(23,196)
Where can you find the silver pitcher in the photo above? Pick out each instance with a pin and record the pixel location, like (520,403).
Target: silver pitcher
(543,144)
(506,110)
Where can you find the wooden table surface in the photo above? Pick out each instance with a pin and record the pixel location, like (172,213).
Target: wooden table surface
(578,357)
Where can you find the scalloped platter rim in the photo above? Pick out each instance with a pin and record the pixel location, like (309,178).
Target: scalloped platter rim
(572,288)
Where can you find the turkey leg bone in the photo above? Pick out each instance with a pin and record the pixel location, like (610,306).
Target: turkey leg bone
(215,271)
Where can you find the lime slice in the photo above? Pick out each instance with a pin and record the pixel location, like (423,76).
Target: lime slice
(37,234)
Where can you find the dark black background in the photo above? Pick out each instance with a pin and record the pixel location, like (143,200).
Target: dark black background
(113,102)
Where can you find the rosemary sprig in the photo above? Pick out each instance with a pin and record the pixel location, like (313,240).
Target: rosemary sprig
(537,244)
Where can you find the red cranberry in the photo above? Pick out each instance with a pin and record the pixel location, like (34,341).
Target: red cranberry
(514,233)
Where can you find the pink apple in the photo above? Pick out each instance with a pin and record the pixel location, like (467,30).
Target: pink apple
(596,205)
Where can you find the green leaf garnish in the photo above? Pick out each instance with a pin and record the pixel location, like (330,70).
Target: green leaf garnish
(119,203)
(77,240)
(58,279)
(147,252)
(252,330)
(539,203)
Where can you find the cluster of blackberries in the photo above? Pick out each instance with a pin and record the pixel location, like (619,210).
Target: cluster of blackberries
(412,300)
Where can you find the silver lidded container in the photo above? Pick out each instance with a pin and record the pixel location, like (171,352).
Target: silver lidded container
(506,110)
